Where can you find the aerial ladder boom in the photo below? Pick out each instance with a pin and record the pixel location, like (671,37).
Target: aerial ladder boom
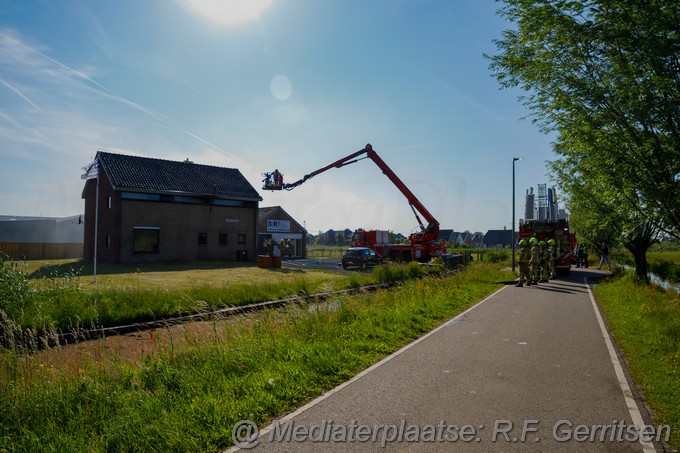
(274,181)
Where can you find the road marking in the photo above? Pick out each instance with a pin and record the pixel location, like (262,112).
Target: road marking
(633,408)
(332,392)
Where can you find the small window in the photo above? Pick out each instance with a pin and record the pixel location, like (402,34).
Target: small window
(146,239)
(108,202)
(223,239)
(202,238)
(241,238)
(107,242)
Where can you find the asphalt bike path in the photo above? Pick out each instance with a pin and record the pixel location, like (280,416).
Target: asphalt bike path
(527,369)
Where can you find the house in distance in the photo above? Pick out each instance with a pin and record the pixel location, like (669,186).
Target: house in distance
(152,210)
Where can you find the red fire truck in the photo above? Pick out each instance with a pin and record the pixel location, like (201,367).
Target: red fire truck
(558,230)
(423,245)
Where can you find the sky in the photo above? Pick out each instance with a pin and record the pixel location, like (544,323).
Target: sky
(294,86)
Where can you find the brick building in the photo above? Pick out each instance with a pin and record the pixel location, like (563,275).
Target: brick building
(153,210)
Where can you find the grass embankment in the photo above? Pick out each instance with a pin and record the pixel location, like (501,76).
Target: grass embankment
(266,364)
(62,297)
(645,322)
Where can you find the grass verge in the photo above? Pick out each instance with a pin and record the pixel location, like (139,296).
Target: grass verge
(189,399)
(645,322)
(53,298)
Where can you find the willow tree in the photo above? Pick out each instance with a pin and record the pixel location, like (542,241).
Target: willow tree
(606,213)
(604,76)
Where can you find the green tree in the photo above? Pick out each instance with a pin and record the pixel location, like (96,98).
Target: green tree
(604,75)
(340,238)
(605,215)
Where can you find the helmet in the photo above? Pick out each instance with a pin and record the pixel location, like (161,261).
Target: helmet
(551,241)
(523,242)
(541,243)
(533,241)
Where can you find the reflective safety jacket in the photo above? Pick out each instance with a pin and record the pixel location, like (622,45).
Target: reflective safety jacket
(535,254)
(524,254)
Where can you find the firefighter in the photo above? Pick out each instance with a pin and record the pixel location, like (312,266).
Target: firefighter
(584,255)
(543,261)
(524,257)
(552,256)
(535,260)
(267,180)
(278,178)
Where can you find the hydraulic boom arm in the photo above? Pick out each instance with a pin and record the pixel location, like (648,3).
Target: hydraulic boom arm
(274,181)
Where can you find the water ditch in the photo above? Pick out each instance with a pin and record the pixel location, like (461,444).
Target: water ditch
(655,279)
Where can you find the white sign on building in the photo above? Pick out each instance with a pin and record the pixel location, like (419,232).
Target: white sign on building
(280,226)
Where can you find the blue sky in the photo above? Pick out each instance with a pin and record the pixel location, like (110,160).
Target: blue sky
(305,83)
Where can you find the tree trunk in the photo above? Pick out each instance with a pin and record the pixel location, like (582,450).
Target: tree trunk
(640,257)
(638,247)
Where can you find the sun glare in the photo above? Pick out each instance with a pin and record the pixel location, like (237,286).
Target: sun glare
(229,12)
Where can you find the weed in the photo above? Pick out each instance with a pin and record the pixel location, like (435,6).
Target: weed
(496,256)
(14,288)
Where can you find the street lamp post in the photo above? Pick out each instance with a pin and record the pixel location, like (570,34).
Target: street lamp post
(514,159)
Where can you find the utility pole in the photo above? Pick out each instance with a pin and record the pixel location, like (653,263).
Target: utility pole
(514,159)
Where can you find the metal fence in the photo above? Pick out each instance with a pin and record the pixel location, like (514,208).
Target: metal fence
(40,251)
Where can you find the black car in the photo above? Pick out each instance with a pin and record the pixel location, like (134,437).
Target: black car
(361,257)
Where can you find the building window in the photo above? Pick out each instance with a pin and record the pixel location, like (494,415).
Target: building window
(241,238)
(107,242)
(237,203)
(140,196)
(202,238)
(223,239)
(108,202)
(145,239)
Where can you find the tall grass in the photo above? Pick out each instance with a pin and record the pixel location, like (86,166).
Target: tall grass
(189,398)
(645,321)
(32,314)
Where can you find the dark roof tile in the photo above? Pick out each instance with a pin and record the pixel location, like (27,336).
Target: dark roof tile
(144,173)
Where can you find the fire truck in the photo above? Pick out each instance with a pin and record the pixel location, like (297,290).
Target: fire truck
(423,245)
(558,230)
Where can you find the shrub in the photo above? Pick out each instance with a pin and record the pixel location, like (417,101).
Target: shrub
(14,290)
(414,269)
(496,256)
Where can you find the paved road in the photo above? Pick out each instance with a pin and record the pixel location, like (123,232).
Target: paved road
(518,372)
